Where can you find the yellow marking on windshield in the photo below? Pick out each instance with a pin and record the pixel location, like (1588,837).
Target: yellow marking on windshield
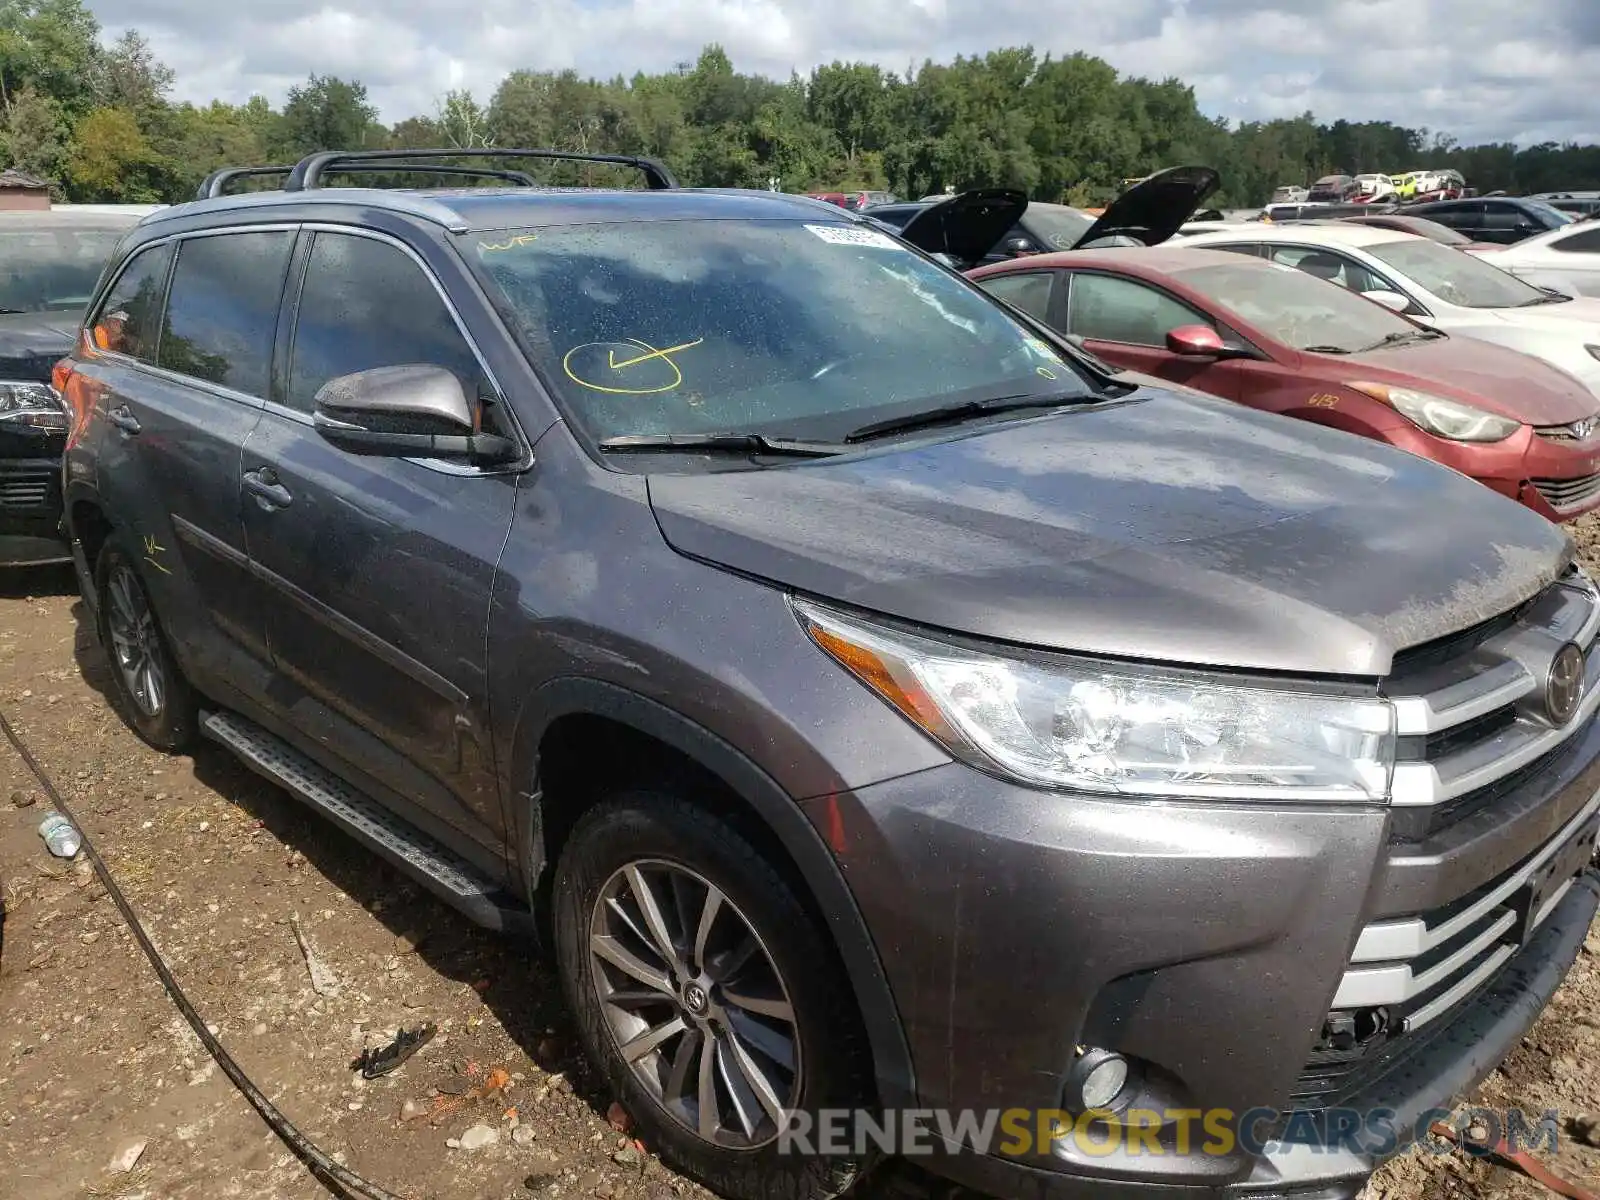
(1046,372)
(521,239)
(611,355)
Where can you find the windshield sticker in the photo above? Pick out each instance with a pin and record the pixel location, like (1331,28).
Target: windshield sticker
(631,368)
(521,239)
(1042,350)
(844,235)
(1046,372)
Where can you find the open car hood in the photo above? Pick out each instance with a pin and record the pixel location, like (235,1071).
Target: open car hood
(967,225)
(1153,211)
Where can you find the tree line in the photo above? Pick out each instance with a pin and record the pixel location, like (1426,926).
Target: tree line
(99,124)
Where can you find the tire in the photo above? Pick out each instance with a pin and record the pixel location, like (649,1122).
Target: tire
(155,698)
(680,853)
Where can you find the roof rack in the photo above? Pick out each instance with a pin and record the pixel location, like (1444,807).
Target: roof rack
(216,183)
(308,172)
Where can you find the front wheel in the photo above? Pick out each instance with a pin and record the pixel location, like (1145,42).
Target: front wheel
(707,994)
(154,696)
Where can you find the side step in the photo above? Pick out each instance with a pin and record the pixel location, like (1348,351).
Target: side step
(442,871)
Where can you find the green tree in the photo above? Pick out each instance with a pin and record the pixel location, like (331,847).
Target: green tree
(34,135)
(50,46)
(110,160)
(326,113)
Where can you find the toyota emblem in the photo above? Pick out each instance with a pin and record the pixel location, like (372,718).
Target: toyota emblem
(1563,689)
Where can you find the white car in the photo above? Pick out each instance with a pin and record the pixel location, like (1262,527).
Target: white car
(1566,259)
(1435,285)
(1376,185)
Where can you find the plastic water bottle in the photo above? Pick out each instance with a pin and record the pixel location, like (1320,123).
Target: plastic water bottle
(59,835)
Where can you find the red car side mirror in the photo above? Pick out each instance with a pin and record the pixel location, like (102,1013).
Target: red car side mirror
(1196,341)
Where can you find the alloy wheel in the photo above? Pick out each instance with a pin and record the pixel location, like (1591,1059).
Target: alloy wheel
(695,1002)
(135,644)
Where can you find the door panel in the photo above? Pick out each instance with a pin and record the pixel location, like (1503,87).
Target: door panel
(378,571)
(169,461)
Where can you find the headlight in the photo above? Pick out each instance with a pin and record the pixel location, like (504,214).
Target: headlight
(1441,417)
(35,405)
(1104,727)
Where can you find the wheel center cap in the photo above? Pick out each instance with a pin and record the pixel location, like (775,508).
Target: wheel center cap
(696,1000)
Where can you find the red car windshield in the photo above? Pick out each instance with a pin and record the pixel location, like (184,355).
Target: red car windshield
(1297,309)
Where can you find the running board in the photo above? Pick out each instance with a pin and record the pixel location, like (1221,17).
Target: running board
(442,871)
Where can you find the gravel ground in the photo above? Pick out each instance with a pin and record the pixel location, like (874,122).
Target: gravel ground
(95,1062)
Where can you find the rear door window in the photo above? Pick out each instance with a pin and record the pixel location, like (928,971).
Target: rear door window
(129,318)
(222,313)
(1029,291)
(1329,265)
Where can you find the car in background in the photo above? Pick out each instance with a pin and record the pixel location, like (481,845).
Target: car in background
(1289,194)
(1499,219)
(856,201)
(51,262)
(1276,339)
(1436,285)
(1334,189)
(1582,205)
(1566,260)
(1375,187)
(1418,226)
(836,198)
(1147,214)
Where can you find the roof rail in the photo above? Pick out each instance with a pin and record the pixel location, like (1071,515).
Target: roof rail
(216,183)
(308,172)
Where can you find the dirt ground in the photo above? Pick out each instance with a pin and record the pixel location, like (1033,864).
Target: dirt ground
(221,866)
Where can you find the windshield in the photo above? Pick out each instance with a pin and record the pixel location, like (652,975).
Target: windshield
(785,328)
(1056,225)
(1297,309)
(1551,213)
(52,270)
(1455,276)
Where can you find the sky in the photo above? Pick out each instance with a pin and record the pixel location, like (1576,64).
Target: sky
(1481,70)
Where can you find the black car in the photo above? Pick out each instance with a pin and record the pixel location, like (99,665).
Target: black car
(52,261)
(1333,189)
(1502,219)
(1146,214)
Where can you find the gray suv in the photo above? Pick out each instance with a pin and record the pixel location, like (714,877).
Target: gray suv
(876,704)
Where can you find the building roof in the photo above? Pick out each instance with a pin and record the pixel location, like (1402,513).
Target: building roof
(12,178)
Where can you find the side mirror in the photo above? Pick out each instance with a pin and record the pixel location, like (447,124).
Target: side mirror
(413,410)
(1393,301)
(1196,341)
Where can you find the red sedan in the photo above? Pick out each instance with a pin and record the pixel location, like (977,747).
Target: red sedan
(1279,339)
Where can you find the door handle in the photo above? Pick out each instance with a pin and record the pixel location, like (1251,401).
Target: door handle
(264,486)
(122,417)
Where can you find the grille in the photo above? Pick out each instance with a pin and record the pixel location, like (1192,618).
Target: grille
(1577,431)
(27,488)
(1472,724)
(1568,493)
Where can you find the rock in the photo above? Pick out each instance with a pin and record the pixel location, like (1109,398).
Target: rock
(127,1158)
(22,798)
(478,1137)
(412,1109)
(1586,1128)
(523,1134)
(90,938)
(626,1157)
(538,1181)
(617,1117)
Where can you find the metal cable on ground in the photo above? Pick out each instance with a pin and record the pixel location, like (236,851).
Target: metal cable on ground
(336,1178)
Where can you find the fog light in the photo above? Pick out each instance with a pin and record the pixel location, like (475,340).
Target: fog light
(1097,1079)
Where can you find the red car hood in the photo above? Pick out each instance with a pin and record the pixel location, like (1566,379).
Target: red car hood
(1492,377)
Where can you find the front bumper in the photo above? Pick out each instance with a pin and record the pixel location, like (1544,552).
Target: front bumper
(31,532)
(1208,941)
(1559,480)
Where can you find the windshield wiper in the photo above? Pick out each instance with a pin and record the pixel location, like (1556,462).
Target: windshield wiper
(749,443)
(1399,339)
(1549,299)
(1326,349)
(961,412)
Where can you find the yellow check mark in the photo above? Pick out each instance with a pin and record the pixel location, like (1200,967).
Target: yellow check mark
(611,355)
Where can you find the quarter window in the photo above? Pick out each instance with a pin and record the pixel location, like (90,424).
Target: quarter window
(367,304)
(1107,309)
(222,313)
(1587,241)
(130,316)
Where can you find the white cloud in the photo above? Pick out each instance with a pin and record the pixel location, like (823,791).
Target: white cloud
(1448,65)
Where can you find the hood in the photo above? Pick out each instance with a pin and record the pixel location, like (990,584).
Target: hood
(1154,210)
(1176,529)
(966,226)
(32,343)
(1491,377)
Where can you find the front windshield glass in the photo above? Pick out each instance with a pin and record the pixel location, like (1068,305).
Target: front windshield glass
(784,328)
(52,269)
(1455,276)
(1056,225)
(1297,309)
